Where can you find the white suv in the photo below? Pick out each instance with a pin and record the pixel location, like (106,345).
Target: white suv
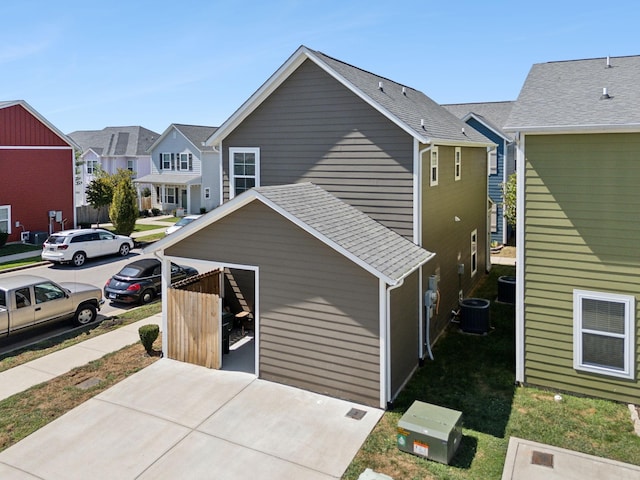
(76,246)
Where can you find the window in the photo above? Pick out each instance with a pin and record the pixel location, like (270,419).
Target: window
(186,161)
(458,163)
(170,195)
(166,161)
(494,217)
(433,175)
(207,193)
(244,167)
(23,297)
(47,291)
(493,161)
(474,252)
(92,167)
(603,326)
(131,164)
(5,218)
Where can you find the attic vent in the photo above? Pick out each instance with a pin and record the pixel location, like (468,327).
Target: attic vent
(605,94)
(608,62)
(404,91)
(422,122)
(380,86)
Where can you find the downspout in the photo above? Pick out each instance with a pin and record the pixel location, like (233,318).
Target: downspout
(418,206)
(166,281)
(385,341)
(520,255)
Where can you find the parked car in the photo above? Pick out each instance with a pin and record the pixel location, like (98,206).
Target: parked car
(30,300)
(181,223)
(140,281)
(77,245)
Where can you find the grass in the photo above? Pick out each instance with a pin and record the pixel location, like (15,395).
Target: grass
(475,375)
(20,263)
(13,248)
(40,349)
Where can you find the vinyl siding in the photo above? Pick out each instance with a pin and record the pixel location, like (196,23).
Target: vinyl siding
(319,312)
(19,128)
(581,231)
(451,240)
(405,335)
(179,144)
(313,129)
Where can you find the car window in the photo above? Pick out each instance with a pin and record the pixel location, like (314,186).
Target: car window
(106,236)
(93,237)
(80,238)
(157,270)
(23,297)
(130,271)
(47,291)
(56,239)
(3,299)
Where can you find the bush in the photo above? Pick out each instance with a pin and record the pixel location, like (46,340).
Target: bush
(124,211)
(148,334)
(156,211)
(3,238)
(143,213)
(203,210)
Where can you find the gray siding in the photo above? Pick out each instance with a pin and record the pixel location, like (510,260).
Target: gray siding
(313,129)
(319,312)
(179,144)
(581,232)
(449,239)
(405,335)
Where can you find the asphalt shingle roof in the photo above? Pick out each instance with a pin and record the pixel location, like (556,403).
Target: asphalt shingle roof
(196,134)
(116,141)
(493,114)
(410,106)
(382,249)
(568,95)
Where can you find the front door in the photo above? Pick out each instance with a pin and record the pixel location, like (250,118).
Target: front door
(183,200)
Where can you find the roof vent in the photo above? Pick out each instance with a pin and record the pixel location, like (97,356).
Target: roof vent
(463,130)
(422,122)
(404,91)
(605,94)
(380,86)
(608,62)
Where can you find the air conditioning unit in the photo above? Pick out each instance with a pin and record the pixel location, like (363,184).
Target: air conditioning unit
(24,236)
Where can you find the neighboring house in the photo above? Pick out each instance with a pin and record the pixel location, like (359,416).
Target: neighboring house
(37,180)
(110,149)
(390,152)
(577,127)
(488,118)
(185,173)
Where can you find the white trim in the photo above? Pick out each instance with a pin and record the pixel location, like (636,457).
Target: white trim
(520,257)
(9,220)
(385,374)
(628,301)
(457,163)
(27,147)
(474,252)
(488,125)
(417,192)
(434,182)
(221,174)
(568,129)
(232,176)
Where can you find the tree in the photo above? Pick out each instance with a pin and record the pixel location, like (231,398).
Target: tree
(509,200)
(124,208)
(99,194)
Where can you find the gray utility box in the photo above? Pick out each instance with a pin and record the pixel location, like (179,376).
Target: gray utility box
(430,431)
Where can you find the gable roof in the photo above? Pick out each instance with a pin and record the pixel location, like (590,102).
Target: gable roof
(197,135)
(379,250)
(410,109)
(568,97)
(491,114)
(116,141)
(65,138)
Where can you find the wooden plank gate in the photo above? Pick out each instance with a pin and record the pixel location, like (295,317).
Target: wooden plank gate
(193,320)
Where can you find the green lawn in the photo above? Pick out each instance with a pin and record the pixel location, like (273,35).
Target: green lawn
(475,375)
(13,248)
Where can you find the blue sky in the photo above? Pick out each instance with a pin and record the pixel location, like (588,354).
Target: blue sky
(87,65)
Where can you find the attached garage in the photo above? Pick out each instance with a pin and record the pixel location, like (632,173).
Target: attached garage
(336,298)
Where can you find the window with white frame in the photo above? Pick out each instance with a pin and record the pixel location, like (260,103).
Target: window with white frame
(92,167)
(207,193)
(603,333)
(166,161)
(5,218)
(186,161)
(493,161)
(433,171)
(494,217)
(131,164)
(244,167)
(474,252)
(458,164)
(170,195)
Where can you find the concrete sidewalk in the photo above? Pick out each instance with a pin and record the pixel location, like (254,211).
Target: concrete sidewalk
(45,368)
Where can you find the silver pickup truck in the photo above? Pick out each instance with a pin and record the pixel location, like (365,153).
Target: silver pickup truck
(29,300)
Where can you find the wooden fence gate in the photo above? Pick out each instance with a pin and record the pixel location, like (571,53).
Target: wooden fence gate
(193,320)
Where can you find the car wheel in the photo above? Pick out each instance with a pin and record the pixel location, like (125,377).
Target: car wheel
(86,313)
(146,296)
(79,259)
(124,249)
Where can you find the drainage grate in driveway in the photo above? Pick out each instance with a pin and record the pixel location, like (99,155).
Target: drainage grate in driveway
(356,414)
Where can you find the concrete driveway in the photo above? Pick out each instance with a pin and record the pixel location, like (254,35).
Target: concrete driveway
(176,420)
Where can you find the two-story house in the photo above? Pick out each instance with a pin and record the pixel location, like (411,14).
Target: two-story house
(577,128)
(111,149)
(185,173)
(488,118)
(37,179)
(338,187)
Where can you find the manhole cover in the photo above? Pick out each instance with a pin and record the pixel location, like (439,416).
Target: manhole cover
(540,458)
(88,383)
(356,413)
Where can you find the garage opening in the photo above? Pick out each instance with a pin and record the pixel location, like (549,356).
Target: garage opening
(238,320)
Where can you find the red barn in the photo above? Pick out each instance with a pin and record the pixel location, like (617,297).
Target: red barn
(37,173)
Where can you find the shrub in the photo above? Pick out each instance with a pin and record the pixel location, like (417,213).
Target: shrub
(156,211)
(124,211)
(3,238)
(148,334)
(203,210)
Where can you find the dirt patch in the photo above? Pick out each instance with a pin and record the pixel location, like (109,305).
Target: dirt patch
(506,251)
